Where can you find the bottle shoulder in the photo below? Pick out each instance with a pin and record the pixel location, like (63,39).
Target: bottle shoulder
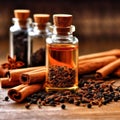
(14,28)
(18,28)
(62,40)
(38,33)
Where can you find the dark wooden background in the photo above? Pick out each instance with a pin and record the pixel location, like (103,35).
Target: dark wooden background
(97,21)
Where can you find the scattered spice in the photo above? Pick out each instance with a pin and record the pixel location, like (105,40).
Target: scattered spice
(89,93)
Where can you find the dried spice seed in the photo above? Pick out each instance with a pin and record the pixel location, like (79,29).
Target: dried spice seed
(104,102)
(101,90)
(111,88)
(39,103)
(118,88)
(116,98)
(27,105)
(52,103)
(71,100)
(6,98)
(63,106)
(81,83)
(62,100)
(97,85)
(77,103)
(89,105)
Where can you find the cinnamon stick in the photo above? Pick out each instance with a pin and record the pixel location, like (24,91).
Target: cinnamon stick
(16,73)
(3,71)
(35,76)
(113,52)
(106,70)
(19,93)
(94,64)
(96,59)
(7,83)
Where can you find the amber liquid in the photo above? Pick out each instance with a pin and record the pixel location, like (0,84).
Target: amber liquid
(62,63)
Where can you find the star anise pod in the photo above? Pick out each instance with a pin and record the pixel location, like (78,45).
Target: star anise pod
(12,63)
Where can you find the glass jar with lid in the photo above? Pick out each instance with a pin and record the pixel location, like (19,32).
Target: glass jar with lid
(62,55)
(19,35)
(37,40)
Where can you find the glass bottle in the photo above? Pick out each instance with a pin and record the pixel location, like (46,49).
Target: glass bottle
(19,35)
(62,55)
(37,40)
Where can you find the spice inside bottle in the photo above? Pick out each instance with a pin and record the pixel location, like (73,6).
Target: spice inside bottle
(19,35)
(37,40)
(62,55)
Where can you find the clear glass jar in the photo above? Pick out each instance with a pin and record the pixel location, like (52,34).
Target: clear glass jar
(62,59)
(19,39)
(37,44)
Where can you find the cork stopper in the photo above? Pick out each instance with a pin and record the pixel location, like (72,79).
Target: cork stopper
(62,20)
(41,18)
(22,14)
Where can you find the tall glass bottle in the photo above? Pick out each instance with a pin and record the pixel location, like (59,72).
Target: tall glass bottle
(62,55)
(19,35)
(37,40)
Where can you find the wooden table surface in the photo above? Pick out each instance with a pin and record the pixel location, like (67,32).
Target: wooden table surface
(10,110)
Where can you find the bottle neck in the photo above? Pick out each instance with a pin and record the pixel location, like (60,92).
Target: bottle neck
(22,23)
(63,31)
(41,27)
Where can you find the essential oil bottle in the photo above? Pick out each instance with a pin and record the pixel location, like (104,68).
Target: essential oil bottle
(37,40)
(62,55)
(19,35)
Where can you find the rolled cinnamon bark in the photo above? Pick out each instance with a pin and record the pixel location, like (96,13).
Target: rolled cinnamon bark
(113,52)
(97,59)
(35,76)
(3,71)
(19,93)
(7,83)
(16,73)
(94,64)
(106,70)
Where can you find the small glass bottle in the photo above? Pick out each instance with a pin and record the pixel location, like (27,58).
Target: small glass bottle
(37,40)
(19,35)
(62,55)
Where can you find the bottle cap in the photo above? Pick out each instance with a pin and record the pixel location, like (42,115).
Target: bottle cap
(41,18)
(62,20)
(22,14)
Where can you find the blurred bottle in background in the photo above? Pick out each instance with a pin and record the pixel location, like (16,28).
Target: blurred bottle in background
(37,40)
(19,35)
